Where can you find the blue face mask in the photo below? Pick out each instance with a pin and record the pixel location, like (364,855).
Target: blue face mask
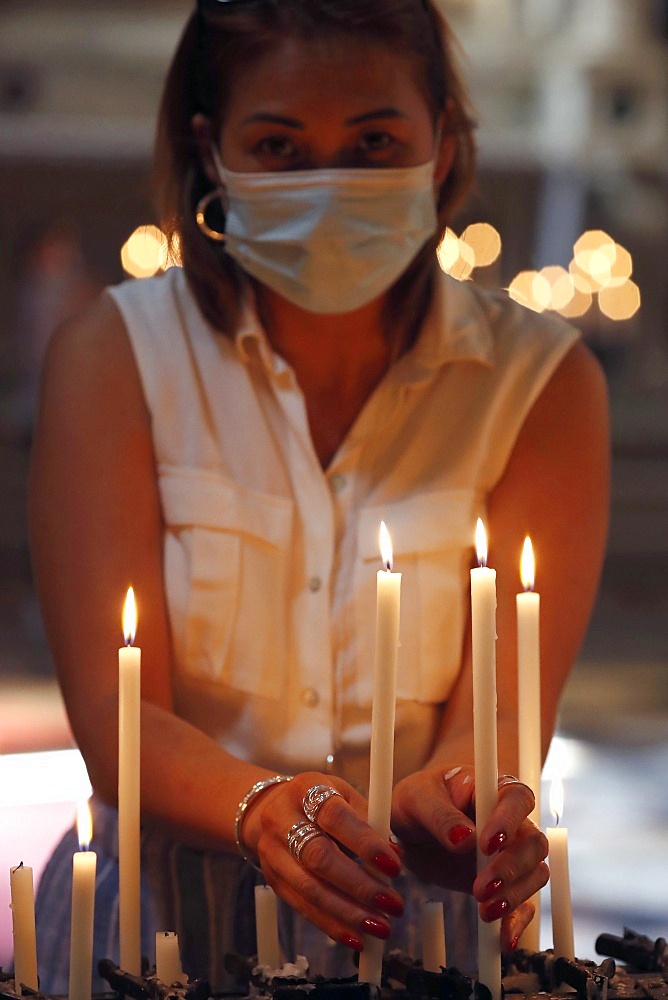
(329,241)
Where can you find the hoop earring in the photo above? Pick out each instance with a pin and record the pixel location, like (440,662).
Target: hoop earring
(200,216)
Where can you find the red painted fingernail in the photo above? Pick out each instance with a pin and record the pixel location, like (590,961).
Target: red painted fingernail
(514,944)
(387,864)
(490,889)
(458,833)
(388,904)
(496,842)
(496,909)
(350,941)
(377,928)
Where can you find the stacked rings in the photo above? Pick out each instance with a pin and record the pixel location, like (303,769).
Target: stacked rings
(510,779)
(299,836)
(314,798)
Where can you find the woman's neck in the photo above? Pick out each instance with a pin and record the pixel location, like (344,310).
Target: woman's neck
(338,362)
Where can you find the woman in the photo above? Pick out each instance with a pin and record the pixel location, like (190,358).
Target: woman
(227,438)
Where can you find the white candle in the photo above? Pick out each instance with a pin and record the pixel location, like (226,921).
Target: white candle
(528,706)
(168,958)
(266,926)
(381,764)
(560,885)
(129,696)
(483,651)
(84,866)
(433,936)
(23,926)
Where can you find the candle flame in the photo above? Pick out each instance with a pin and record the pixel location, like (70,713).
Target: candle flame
(557,799)
(84,825)
(481,542)
(385,546)
(130,617)
(527,565)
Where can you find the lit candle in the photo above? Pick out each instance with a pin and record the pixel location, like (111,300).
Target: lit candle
(266,927)
(23,926)
(483,652)
(168,959)
(560,885)
(388,603)
(528,706)
(129,681)
(433,936)
(84,864)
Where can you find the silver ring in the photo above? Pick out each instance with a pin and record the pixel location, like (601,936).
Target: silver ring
(314,798)
(510,779)
(299,836)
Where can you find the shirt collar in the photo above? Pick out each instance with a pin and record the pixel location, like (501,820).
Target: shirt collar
(457,328)
(252,342)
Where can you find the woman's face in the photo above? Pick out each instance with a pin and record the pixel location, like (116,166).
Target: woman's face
(328,104)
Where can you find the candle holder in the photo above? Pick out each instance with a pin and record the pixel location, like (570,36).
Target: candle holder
(636,950)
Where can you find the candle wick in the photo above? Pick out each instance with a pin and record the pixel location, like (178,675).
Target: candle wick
(388,566)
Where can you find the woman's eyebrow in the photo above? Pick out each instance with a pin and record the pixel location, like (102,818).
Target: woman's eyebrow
(273,119)
(377,113)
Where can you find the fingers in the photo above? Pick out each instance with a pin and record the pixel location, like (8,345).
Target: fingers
(514,925)
(516,801)
(433,805)
(513,875)
(335,893)
(310,844)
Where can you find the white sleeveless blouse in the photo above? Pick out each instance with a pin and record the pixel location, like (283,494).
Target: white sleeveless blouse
(270,563)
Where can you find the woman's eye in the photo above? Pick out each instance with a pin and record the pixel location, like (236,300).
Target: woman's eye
(277,147)
(376,142)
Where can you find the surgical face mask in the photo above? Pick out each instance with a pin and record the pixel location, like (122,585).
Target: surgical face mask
(329,241)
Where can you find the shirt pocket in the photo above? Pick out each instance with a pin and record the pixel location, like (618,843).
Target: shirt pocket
(432,542)
(227,560)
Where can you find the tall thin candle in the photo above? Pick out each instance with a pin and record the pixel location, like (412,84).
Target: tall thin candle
(528,706)
(381,769)
(483,650)
(129,699)
(84,866)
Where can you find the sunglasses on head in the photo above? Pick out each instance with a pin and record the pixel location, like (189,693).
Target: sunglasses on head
(216,5)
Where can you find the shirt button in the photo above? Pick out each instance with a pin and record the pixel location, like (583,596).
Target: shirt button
(310,697)
(314,584)
(338,483)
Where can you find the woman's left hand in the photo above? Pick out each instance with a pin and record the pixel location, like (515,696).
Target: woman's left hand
(432,815)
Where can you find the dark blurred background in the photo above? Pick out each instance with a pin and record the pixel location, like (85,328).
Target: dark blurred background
(571,97)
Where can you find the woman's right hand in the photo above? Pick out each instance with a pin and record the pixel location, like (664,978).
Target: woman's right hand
(324,881)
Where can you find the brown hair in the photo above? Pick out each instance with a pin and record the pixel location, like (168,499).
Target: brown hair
(217,39)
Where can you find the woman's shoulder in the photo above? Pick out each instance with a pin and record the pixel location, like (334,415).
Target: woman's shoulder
(88,339)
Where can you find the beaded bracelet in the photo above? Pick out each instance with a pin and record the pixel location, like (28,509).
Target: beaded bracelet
(258,787)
